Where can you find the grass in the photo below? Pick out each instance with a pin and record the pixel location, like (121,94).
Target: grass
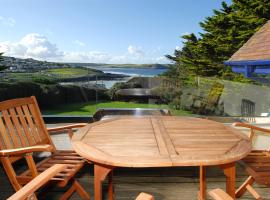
(19,76)
(52,74)
(90,108)
(67,71)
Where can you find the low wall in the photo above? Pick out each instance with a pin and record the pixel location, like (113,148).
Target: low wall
(235,93)
(236,99)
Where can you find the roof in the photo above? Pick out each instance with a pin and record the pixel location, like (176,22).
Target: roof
(256,48)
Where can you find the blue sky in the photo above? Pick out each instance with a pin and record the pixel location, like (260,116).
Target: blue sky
(107,31)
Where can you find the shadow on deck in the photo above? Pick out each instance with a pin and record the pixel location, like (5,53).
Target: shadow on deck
(163,183)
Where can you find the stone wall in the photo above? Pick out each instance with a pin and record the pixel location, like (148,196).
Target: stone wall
(235,94)
(237,99)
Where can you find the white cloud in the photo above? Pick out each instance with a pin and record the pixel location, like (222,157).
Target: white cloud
(91,56)
(32,45)
(38,46)
(7,21)
(135,50)
(79,43)
(161,59)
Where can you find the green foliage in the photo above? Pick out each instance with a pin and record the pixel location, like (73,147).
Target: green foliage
(49,95)
(223,34)
(44,80)
(169,95)
(2,67)
(73,71)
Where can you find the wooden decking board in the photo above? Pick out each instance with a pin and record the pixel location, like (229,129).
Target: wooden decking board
(165,184)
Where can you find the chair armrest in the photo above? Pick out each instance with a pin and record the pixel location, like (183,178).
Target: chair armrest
(219,194)
(67,127)
(252,127)
(144,196)
(37,182)
(25,150)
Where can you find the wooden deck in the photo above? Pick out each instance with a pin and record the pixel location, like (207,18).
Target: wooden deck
(163,183)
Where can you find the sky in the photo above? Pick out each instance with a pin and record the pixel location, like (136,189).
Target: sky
(99,31)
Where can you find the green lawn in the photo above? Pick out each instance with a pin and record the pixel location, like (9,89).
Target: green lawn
(19,76)
(90,108)
(53,74)
(71,71)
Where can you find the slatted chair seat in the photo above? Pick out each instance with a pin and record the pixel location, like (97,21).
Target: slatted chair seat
(22,133)
(257,165)
(71,159)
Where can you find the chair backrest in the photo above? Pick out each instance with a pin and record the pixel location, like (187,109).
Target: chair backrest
(21,124)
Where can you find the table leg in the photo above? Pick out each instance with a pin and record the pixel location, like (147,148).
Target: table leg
(100,173)
(202,192)
(229,171)
(110,183)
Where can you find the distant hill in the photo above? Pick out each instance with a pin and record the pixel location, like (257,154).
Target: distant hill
(154,66)
(29,63)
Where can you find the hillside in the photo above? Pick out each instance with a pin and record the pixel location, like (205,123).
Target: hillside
(32,64)
(96,65)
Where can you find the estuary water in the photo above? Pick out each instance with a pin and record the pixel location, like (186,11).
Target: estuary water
(145,72)
(132,72)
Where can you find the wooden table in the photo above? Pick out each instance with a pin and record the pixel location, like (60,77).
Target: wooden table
(160,141)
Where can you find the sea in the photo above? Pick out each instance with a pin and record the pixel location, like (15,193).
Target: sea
(131,72)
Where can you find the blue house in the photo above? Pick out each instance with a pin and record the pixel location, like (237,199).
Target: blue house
(254,56)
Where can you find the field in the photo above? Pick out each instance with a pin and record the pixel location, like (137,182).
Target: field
(90,108)
(55,74)
(72,72)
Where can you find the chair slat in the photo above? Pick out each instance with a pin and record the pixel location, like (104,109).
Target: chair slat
(21,116)
(10,128)
(31,123)
(4,134)
(67,157)
(17,126)
(37,122)
(66,161)
(42,123)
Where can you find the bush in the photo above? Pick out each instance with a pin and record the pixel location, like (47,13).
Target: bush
(43,80)
(50,95)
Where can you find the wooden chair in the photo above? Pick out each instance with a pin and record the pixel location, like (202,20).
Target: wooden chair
(28,191)
(219,194)
(23,132)
(216,194)
(145,196)
(257,165)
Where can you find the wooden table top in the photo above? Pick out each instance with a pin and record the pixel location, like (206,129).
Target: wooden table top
(160,141)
